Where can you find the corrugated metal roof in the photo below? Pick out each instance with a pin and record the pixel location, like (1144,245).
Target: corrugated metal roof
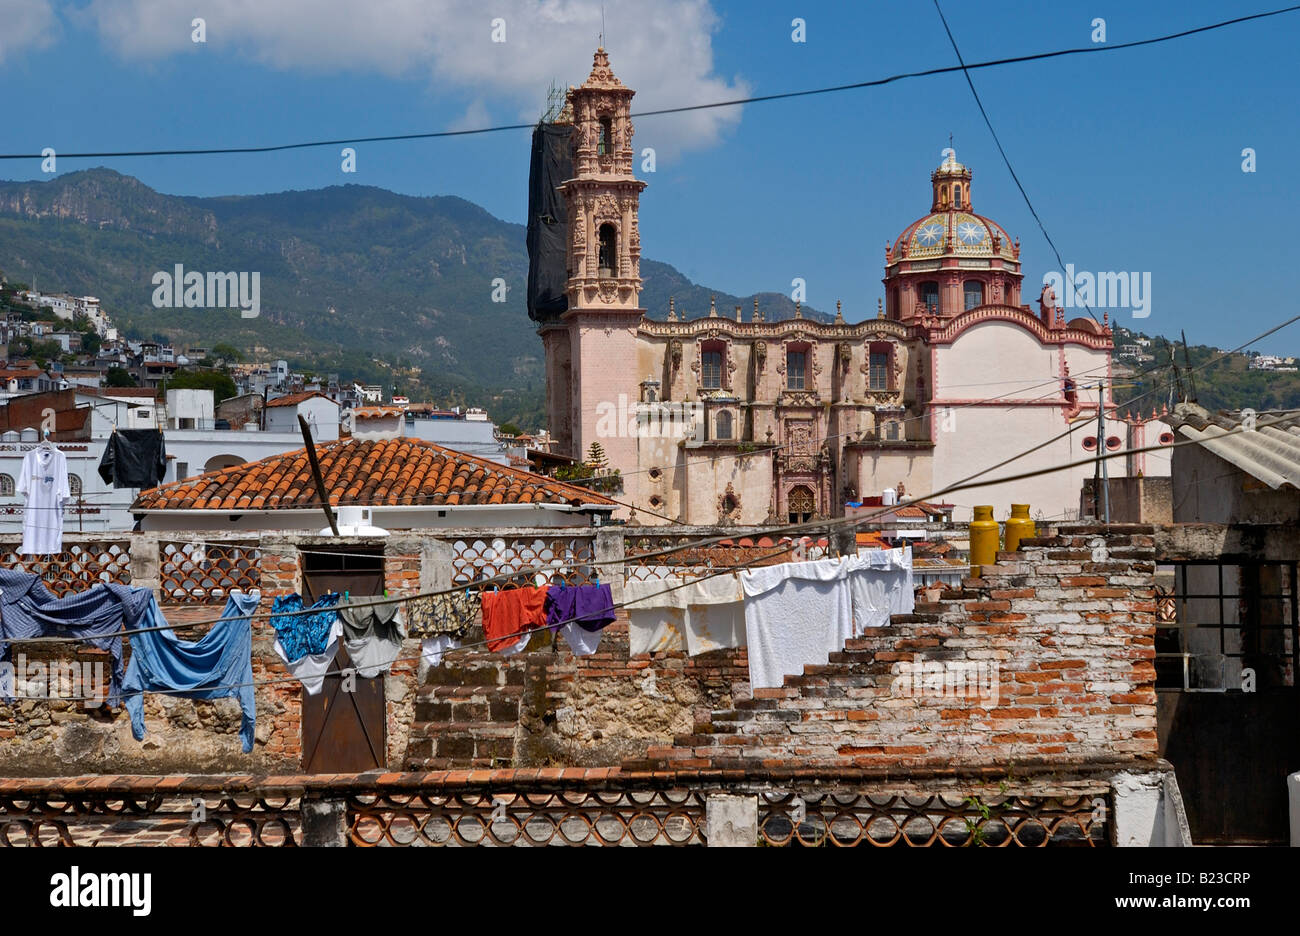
(1270,452)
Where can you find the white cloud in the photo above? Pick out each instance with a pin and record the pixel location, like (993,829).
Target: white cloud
(661,49)
(26,26)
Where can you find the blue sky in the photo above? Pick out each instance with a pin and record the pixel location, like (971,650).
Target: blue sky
(1132,158)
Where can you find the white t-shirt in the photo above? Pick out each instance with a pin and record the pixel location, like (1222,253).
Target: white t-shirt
(44,480)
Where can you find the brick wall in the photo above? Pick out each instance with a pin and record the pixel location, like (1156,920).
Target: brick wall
(1061,635)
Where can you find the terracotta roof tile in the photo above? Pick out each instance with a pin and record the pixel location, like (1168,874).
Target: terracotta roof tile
(293,399)
(381,473)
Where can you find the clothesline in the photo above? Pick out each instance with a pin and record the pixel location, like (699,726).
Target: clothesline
(466,646)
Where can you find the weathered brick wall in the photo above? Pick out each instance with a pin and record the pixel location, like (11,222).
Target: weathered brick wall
(548,707)
(1064,631)
(51,737)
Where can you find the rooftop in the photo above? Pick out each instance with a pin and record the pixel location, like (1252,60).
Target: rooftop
(293,399)
(384,473)
(1270,452)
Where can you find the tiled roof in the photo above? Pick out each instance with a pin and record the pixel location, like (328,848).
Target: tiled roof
(377,412)
(293,399)
(1270,452)
(383,473)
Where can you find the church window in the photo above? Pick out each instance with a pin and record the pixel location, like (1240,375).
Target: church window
(74,485)
(723,425)
(608,249)
(796,363)
(801,503)
(973,291)
(711,370)
(878,371)
(930,295)
(892,433)
(6,485)
(606,144)
(956,195)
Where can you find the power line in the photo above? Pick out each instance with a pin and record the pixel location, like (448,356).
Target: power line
(1005,159)
(711,573)
(734,102)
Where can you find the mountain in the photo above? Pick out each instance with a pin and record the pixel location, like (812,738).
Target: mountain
(355,280)
(1229,383)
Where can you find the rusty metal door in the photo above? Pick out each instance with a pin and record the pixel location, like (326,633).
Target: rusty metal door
(344,732)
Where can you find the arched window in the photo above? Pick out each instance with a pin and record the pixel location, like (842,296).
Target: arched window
(608,250)
(723,425)
(6,485)
(956,195)
(973,290)
(801,503)
(930,295)
(74,484)
(605,145)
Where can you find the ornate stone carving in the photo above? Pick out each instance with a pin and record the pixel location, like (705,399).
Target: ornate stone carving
(675,354)
(760,354)
(608,290)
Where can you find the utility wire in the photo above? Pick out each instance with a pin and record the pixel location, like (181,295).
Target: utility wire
(711,573)
(734,102)
(1005,159)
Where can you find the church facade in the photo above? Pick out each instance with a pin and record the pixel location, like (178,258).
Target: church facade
(726,417)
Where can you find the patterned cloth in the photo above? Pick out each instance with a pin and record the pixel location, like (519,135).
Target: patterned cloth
(452,614)
(301,634)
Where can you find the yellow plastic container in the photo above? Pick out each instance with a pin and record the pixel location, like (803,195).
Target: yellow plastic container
(1019,526)
(983,540)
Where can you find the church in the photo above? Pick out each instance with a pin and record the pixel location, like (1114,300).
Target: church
(728,418)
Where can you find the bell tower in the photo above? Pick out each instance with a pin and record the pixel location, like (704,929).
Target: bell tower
(604,244)
(592,349)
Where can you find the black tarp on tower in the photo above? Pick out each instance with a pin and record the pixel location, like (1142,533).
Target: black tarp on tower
(552,163)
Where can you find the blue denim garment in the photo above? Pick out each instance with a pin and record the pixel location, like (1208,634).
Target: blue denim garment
(218,664)
(301,634)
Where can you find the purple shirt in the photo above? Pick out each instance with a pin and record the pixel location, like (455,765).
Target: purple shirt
(590,606)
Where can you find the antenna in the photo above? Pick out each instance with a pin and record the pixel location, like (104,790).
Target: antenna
(602,25)
(1187,361)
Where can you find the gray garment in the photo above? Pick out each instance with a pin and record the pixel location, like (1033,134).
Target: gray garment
(372,635)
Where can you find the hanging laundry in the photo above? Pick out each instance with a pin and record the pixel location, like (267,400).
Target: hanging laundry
(134,458)
(373,635)
(307,642)
(452,613)
(217,665)
(508,616)
(579,613)
(796,614)
(591,606)
(881,584)
(701,615)
(44,480)
(432,649)
(28,609)
(307,631)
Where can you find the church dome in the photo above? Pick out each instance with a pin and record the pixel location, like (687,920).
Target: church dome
(956,233)
(951,260)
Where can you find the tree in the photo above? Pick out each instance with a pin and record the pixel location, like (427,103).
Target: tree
(222,387)
(509,429)
(596,456)
(226,353)
(90,342)
(119,377)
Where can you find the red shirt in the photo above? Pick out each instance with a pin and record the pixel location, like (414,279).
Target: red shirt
(507,614)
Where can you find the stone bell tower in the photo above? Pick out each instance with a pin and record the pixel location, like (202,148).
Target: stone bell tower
(595,339)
